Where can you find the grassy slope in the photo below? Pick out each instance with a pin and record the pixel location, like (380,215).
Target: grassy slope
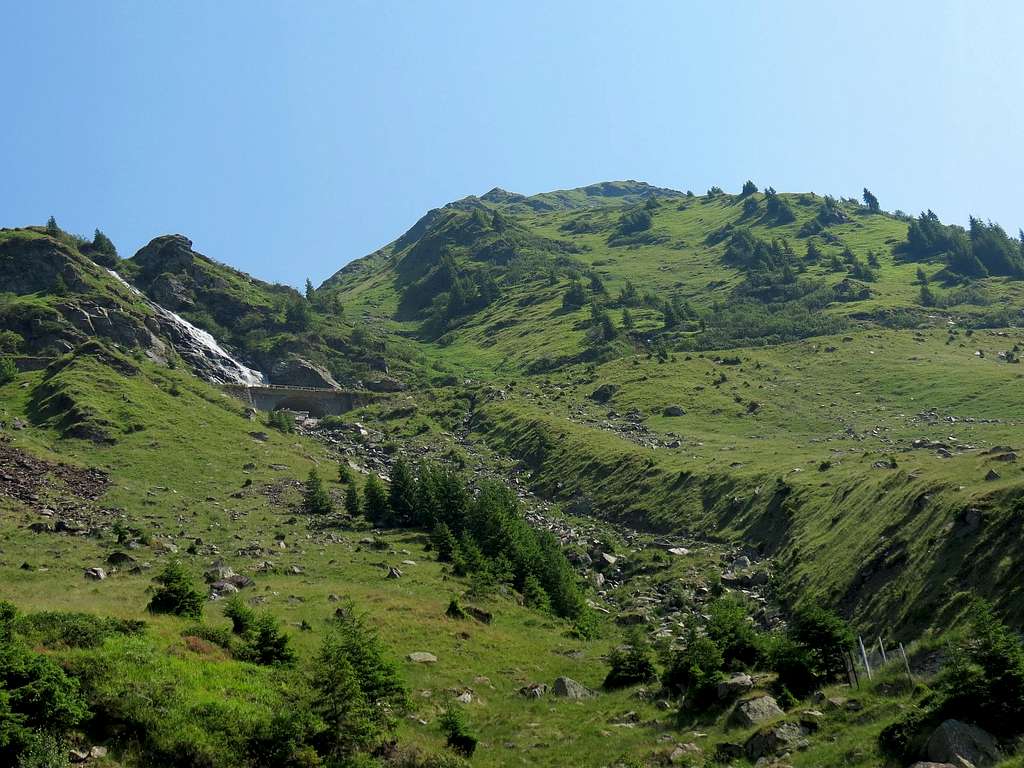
(897,535)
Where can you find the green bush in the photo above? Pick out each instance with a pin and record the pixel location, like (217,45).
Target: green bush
(631,664)
(176,593)
(695,670)
(56,629)
(315,498)
(7,370)
(456,730)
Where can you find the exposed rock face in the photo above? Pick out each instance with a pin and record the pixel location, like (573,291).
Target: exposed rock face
(299,372)
(385,384)
(756,710)
(735,686)
(963,745)
(775,740)
(568,688)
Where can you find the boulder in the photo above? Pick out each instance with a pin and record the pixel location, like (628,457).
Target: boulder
(604,393)
(568,688)
(775,740)
(922,764)
(299,372)
(95,574)
(674,410)
(963,745)
(385,384)
(684,754)
(756,710)
(422,657)
(120,559)
(735,686)
(533,691)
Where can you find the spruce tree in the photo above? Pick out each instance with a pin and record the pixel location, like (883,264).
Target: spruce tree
(315,499)
(345,476)
(51,227)
(375,502)
(402,494)
(352,500)
(871,201)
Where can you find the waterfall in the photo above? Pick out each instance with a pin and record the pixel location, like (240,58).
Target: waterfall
(197,346)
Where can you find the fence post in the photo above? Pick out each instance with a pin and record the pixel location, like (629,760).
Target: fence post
(864,655)
(881,647)
(906,664)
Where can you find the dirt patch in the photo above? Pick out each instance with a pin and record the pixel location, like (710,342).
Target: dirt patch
(37,483)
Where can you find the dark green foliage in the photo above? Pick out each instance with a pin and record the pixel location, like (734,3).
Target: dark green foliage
(8,370)
(795,665)
(985,249)
(282,421)
(402,495)
(241,615)
(749,188)
(922,276)
(983,678)
(315,498)
(813,255)
(10,342)
(814,650)
(176,593)
(375,502)
(352,500)
(457,732)
(298,315)
(631,664)
(345,476)
(63,629)
(358,689)
(871,201)
(101,250)
(777,209)
(575,296)
(627,320)
(634,221)
(310,291)
(264,643)
(51,227)
(37,699)
(730,628)
(905,739)
(444,542)
(695,670)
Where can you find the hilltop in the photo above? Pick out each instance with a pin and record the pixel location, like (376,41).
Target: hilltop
(717,413)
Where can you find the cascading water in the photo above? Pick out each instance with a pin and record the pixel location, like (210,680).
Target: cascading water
(197,346)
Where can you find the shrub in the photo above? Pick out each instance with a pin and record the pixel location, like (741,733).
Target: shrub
(345,476)
(264,643)
(631,664)
(7,370)
(54,629)
(454,726)
(695,669)
(375,502)
(728,626)
(176,593)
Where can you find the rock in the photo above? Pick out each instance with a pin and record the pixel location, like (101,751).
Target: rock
(77,756)
(422,657)
(962,745)
(775,740)
(992,475)
(811,719)
(1010,456)
(385,384)
(604,393)
(394,573)
(922,764)
(533,691)
(679,551)
(299,372)
(97,752)
(727,751)
(735,686)
(484,617)
(756,710)
(95,574)
(464,698)
(120,559)
(684,753)
(674,410)
(568,688)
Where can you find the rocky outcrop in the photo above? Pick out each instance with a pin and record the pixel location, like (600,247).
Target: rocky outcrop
(568,688)
(757,710)
(298,372)
(775,740)
(962,745)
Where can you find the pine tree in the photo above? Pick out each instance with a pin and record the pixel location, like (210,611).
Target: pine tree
(345,476)
(352,500)
(315,499)
(375,502)
(310,291)
(922,276)
(51,227)
(749,188)
(927,297)
(871,201)
(402,494)
(176,593)
(444,542)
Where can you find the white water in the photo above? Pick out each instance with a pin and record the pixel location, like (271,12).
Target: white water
(220,367)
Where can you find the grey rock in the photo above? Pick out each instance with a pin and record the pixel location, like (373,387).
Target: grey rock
(756,710)
(775,740)
(95,574)
(735,686)
(963,745)
(422,657)
(299,372)
(674,410)
(568,688)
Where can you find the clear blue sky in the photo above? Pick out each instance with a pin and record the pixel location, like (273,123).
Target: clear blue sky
(287,138)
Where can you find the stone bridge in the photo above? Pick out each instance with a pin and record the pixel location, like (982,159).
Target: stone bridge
(318,402)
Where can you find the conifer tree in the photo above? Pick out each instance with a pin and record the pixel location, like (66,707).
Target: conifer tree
(402,494)
(315,499)
(375,502)
(871,201)
(352,500)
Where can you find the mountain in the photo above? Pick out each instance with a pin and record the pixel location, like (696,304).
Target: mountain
(734,426)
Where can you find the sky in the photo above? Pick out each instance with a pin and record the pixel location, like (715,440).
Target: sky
(288,138)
